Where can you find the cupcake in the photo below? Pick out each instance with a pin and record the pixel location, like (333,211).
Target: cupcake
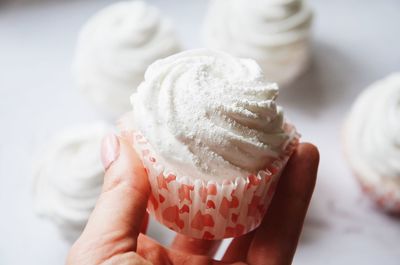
(372,141)
(213,141)
(114,49)
(68,177)
(274,33)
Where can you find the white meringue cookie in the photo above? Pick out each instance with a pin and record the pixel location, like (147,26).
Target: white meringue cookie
(114,49)
(274,32)
(210,115)
(372,139)
(68,178)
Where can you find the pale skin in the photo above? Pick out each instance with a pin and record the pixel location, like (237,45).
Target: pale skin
(115,233)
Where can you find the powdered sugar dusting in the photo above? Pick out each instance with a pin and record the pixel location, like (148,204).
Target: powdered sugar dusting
(210,114)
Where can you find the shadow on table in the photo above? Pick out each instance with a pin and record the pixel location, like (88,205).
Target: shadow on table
(25,3)
(327,81)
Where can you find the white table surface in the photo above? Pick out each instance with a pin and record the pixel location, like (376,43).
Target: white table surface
(355,43)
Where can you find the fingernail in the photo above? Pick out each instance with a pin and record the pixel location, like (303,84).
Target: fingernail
(109,150)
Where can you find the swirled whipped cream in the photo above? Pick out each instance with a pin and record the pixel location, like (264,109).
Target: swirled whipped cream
(68,178)
(114,49)
(210,115)
(274,33)
(372,134)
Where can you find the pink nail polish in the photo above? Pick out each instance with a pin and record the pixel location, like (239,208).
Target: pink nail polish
(109,150)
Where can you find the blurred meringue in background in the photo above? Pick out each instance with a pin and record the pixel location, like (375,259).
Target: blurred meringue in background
(274,33)
(68,178)
(114,49)
(372,141)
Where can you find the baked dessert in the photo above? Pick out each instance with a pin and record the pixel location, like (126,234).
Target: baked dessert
(114,48)
(68,177)
(372,141)
(274,33)
(213,141)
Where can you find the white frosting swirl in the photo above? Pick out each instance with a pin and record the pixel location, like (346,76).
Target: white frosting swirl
(210,115)
(114,49)
(68,178)
(274,33)
(372,133)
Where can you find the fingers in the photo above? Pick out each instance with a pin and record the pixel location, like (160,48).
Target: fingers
(145,223)
(195,246)
(237,250)
(276,239)
(121,207)
(128,258)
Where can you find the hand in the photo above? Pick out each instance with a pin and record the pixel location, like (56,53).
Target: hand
(115,232)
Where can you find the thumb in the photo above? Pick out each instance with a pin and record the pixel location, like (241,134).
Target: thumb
(121,207)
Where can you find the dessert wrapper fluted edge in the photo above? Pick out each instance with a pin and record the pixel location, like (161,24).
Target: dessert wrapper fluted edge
(209,209)
(385,195)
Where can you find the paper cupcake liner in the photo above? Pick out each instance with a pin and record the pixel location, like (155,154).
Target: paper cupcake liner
(208,209)
(386,197)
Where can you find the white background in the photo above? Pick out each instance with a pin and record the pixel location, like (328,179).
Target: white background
(354,43)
